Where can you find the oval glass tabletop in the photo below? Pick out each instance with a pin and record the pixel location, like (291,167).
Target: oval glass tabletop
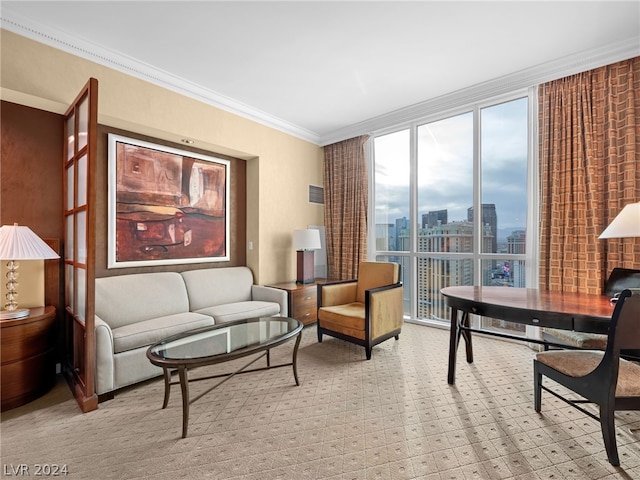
(220,343)
(225,340)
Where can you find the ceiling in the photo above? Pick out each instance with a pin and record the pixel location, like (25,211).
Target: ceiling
(324,70)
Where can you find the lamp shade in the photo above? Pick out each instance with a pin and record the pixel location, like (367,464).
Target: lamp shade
(308,239)
(626,224)
(20,243)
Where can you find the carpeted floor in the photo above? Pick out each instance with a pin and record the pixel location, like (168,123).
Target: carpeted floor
(393,417)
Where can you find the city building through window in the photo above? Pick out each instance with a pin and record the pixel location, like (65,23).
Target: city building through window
(430,178)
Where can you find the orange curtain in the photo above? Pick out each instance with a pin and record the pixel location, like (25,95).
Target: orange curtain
(345,207)
(590,169)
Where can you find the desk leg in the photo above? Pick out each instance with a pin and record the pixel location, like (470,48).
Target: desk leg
(466,334)
(455,333)
(184,386)
(453,346)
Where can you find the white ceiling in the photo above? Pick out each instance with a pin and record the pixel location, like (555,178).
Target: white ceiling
(323,70)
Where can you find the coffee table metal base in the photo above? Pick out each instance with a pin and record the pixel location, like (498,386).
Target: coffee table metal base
(184,380)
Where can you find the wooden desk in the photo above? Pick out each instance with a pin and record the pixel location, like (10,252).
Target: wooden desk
(567,311)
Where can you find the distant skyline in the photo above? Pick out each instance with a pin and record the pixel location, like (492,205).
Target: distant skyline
(445,148)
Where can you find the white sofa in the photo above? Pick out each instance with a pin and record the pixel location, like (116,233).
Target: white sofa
(135,311)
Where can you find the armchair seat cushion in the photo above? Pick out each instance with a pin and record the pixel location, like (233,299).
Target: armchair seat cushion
(347,319)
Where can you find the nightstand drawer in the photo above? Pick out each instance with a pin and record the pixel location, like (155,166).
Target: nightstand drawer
(302,300)
(304,305)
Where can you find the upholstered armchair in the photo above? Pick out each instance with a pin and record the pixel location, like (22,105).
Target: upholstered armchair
(365,311)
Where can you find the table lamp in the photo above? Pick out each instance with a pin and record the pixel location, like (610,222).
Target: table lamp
(305,242)
(19,243)
(626,224)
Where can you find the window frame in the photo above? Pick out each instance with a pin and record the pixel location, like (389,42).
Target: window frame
(531,257)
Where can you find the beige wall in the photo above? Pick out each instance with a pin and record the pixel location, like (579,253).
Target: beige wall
(279,166)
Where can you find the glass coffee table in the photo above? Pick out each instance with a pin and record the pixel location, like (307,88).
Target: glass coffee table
(218,344)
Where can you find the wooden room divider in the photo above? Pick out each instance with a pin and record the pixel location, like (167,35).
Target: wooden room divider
(79,192)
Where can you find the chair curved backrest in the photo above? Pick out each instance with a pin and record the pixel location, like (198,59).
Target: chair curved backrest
(624,333)
(625,323)
(621,278)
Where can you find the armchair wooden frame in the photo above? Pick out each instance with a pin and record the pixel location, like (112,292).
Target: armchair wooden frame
(598,377)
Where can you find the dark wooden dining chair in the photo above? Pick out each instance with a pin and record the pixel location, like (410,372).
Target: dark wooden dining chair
(603,378)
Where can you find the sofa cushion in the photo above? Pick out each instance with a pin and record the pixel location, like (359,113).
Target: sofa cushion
(128,299)
(241,310)
(148,332)
(217,286)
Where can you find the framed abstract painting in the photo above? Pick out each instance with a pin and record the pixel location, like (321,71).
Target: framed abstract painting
(166,205)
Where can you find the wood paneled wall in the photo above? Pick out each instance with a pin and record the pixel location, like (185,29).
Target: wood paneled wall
(31,185)
(31,168)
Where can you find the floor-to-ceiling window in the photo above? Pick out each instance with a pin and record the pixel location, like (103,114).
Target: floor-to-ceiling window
(453,201)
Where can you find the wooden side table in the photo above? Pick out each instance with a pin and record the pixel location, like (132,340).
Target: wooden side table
(28,360)
(302,300)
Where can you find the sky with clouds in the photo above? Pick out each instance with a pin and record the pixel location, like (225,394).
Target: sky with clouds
(445,167)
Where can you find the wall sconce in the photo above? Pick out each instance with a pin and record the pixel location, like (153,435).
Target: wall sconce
(19,243)
(305,242)
(626,224)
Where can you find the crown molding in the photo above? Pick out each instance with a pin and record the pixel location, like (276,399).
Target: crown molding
(562,67)
(130,66)
(520,80)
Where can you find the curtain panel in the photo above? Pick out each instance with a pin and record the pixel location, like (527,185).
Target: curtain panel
(346,193)
(590,169)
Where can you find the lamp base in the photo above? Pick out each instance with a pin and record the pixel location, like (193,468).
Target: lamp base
(11,314)
(306,267)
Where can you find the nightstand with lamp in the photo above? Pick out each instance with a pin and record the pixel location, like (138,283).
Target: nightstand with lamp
(28,335)
(302,294)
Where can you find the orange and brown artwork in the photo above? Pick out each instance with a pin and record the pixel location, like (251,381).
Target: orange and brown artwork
(169,205)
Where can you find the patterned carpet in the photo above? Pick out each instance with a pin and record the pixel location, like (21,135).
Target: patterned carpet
(393,417)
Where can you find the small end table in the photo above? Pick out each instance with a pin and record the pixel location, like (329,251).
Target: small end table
(28,357)
(302,300)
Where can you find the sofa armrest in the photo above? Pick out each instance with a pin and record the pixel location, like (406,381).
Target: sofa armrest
(337,293)
(105,365)
(384,309)
(270,294)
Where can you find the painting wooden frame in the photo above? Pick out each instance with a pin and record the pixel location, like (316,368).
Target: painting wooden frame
(166,205)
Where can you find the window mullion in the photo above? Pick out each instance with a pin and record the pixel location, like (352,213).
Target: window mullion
(413,219)
(477,198)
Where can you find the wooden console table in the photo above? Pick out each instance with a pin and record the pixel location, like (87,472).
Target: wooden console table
(28,360)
